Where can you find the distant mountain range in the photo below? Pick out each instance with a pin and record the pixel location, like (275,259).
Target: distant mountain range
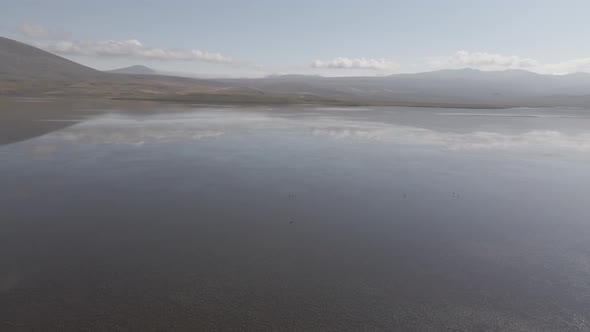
(137,70)
(27,70)
(460,86)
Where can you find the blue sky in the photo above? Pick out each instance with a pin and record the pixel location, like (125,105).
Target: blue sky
(333,38)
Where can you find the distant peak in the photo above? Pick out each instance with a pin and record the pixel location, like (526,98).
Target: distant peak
(520,71)
(136,69)
(139,67)
(291,76)
(461,70)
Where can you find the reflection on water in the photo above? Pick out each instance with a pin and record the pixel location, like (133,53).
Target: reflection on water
(308,218)
(121,129)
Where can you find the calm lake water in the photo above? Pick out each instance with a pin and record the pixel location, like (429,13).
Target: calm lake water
(299,218)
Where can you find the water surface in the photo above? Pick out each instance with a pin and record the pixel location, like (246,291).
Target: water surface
(299,218)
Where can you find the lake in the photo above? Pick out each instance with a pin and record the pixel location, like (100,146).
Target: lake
(298,218)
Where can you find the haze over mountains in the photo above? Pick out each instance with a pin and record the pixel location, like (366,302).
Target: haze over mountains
(27,70)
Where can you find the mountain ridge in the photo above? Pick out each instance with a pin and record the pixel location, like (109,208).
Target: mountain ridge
(22,67)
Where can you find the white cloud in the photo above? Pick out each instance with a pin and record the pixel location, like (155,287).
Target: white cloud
(59,43)
(38,32)
(483,60)
(357,63)
(132,49)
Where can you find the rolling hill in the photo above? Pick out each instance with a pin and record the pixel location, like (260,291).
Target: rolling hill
(19,60)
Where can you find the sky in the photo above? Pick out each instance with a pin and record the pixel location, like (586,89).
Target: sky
(240,38)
